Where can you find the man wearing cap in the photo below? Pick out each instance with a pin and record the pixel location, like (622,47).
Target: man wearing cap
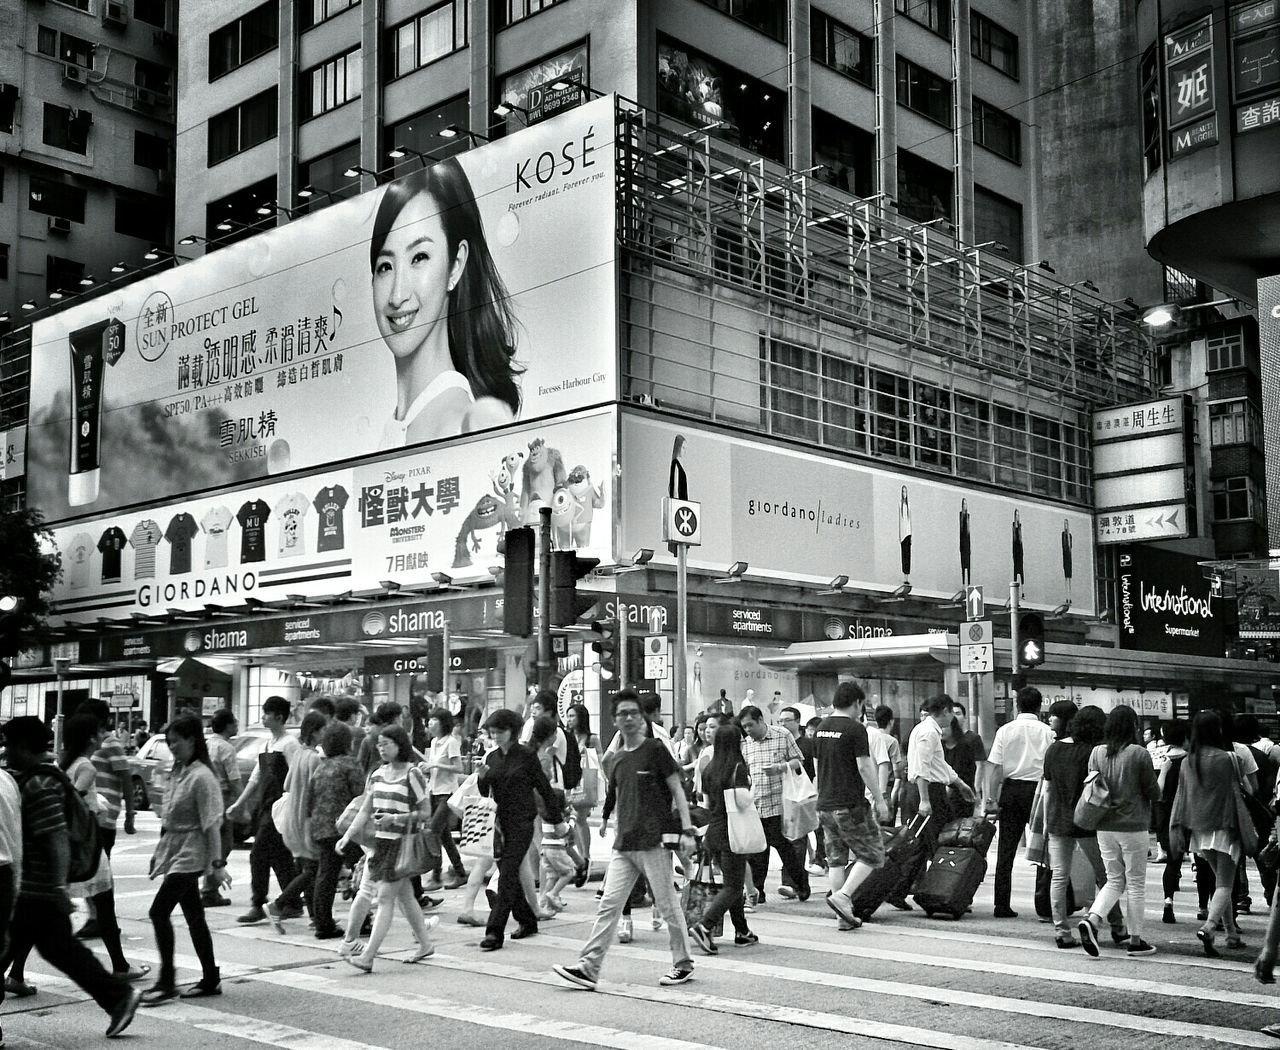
(43,916)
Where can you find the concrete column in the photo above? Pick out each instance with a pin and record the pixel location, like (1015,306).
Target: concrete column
(287,138)
(481,50)
(886,100)
(799,93)
(371,109)
(962,108)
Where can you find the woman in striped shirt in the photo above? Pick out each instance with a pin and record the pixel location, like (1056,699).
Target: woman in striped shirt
(395,797)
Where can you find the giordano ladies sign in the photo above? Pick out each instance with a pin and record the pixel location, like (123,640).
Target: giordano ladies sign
(467,295)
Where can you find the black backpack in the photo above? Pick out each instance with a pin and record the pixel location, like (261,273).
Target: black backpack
(1266,776)
(84,844)
(572,771)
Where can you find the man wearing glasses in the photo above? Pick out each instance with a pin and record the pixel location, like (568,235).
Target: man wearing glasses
(644,783)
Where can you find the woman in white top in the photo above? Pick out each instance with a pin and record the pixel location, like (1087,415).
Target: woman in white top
(443,769)
(442,309)
(81,737)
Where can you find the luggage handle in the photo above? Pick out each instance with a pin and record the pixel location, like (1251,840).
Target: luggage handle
(920,819)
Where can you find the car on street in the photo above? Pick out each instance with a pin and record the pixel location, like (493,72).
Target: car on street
(148,770)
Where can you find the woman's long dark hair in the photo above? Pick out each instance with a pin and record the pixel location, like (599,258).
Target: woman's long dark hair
(582,720)
(191,727)
(1088,727)
(727,756)
(1121,731)
(482,328)
(1206,731)
(77,734)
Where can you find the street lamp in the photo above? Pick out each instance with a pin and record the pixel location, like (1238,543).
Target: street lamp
(454,130)
(1164,314)
(61,665)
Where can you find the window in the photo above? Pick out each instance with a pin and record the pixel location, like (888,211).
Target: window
(324,175)
(847,154)
(1046,456)
(1235,423)
(67,128)
(924,92)
(1232,499)
(57,199)
(152,77)
(144,217)
(1225,351)
(997,218)
(993,44)
(844,402)
(8,105)
(933,426)
(439,32)
(924,189)
(252,34)
(890,415)
(153,12)
(150,151)
(76,50)
(845,50)
(507,12)
(973,438)
(1149,77)
(1009,431)
(317,11)
(997,131)
(794,389)
(47,41)
(332,84)
(936,14)
(62,275)
(421,132)
(4,262)
(240,210)
(768,16)
(242,127)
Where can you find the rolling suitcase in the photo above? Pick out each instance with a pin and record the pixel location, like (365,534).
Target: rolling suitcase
(951,881)
(903,850)
(969,832)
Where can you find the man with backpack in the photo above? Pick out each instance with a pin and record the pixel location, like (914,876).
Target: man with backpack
(1248,731)
(59,845)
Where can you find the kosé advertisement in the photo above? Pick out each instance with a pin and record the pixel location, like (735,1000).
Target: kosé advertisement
(797,516)
(1165,604)
(469,295)
(444,509)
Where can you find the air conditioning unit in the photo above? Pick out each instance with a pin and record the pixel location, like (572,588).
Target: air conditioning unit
(114,14)
(59,226)
(73,74)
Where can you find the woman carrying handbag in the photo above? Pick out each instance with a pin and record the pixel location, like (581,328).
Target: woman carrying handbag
(727,787)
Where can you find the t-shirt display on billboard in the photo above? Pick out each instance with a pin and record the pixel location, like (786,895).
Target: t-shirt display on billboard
(1165,604)
(445,508)
(799,516)
(471,294)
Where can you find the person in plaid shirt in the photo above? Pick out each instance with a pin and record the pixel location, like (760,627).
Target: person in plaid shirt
(768,750)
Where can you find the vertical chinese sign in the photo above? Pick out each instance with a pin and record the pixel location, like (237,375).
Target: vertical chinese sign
(1189,87)
(1255,65)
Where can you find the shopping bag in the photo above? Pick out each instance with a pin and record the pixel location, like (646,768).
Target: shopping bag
(467,789)
(479,818)
(361,836)
(746,830)
(698,893)
(419,853)
(1095,802)
(799,805)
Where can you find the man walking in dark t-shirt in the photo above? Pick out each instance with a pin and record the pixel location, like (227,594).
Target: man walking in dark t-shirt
(644,781)
(850,827)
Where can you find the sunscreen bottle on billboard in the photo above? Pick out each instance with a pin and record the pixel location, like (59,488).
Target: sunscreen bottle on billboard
(89,349)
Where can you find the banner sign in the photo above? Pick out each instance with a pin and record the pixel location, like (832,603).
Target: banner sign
(1141,472)
(444,509)
(1189,87)
(13,458)
(794,515)
(468,295)
(1166,605)
(1146,703)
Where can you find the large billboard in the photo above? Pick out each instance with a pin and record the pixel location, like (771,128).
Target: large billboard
(798,516)
(1165,603)
(471,294)
(442,509)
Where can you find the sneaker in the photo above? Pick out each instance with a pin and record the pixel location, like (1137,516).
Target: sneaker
(749,905)
(843,907)
(428,903)
(576,975)
(677,975)
(294,911)
(703,939)
(122,1015)
(1167,918)
(328,933)
(1202,914)
(1088,937)
(214,900)
(254,914)
(1141,947)
(275,916)
(625,930)
(433,883)
(456,880)
(818,870)
(844,926)
(1066,941)
(1003,911)
(347,948)
(787,893)
(742,940)
(18,989)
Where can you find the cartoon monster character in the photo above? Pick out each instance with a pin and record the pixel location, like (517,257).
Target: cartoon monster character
(564,510)
(587,498)
(542,474)
(487,514)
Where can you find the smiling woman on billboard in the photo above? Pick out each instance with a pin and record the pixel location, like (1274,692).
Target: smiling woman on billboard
(442,309)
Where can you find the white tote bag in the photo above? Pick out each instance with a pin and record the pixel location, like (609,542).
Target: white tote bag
(746,830)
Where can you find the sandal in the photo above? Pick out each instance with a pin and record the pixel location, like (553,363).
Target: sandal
(134,973)
(424,951)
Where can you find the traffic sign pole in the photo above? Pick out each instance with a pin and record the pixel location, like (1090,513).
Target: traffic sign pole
(682,637)
(544,598)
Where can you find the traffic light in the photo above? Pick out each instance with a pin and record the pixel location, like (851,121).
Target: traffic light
(435,663)
(517,583)
(567,568)
(606,646)
(1030,640)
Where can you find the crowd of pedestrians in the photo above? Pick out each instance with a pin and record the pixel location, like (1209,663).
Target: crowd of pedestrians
(713,797)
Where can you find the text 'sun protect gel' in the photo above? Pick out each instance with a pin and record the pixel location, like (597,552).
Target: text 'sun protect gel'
(88,352)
